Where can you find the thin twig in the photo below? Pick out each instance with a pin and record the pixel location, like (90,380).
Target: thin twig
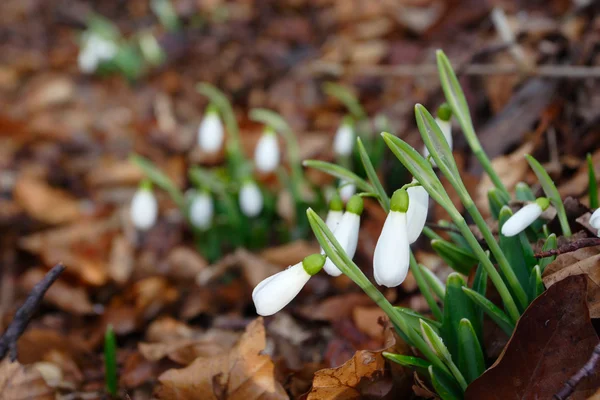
(8,341)
(585,371)
(570,247)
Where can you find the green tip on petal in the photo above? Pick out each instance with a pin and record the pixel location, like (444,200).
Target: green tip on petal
(348,120)
(399,201)
(212,109)
(355,205)
(146,184)
(444,112)
(314,263)
(269,131)
(543,202)
(336,203)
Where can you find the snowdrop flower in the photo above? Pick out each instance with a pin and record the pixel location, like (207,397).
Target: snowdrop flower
(595,221)
(266,154)
(210,132)
(94,50)
(251,199)
(201,209)
(335,213)
(346,232)
(347,190)
(525,217)
(392,252)
(417,211)
(443,120)
(277,291)
(144,207)
(343,142)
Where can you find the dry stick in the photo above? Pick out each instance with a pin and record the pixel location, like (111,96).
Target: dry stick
(569,247)
(585,371)
(8,341)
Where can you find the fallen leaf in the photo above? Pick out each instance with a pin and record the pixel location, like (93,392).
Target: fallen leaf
(185,263)
(553,339)
(121,259)
(367,320)
(584,261)
(290,253)
(243,373)
(335,308)
(18,382)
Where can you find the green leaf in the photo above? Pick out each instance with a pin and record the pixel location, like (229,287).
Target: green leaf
(414,319)
(445,386)
(110,361)
(346,97)
(497,200)
(480,286)
(551,243)
(457,258)
(551,192)
(382,196)
(592,183)
(523,192)
(456,237)
(424,287)
(437,345)
(340,173)
(471,360)
(511,247)
(536,285)
(159,178)
(436,285)
(496,314)
(420,365)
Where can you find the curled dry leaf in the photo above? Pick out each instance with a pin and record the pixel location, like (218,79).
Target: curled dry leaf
(585,262)
(243,373)
(18,382)
(553,339)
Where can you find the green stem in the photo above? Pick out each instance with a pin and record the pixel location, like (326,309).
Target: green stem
(424,288)
(487,167)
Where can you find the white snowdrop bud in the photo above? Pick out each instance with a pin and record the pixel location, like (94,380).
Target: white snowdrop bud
(343,142)
(416,216)
(346,232)
(266,154)
(251,199)
(277,291)
(392,252)
(527,215)
(347,190)
(144,208)
(94,50)
(201,209)
(595,219)
(210,132)
(335,213)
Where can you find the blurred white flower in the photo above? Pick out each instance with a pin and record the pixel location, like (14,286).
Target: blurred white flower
(201,210)
(94,50)
(266,154)
(343,142)
(143,209)
(210,132)
(595,221)
(251,199)
(347,190)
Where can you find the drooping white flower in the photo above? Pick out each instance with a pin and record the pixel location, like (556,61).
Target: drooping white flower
(444,122)
(518,222)
(266,154)
(347,190)
(277,291)
(144,208)
(94,50)
(210,131)
(595,221)
(201,209)
(416,216)
(335,213)
(346,232)
(251,199)
(392,252)
(343,142)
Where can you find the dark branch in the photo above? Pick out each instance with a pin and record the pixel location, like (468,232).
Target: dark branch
(569,247)
(8,341)
(585,371)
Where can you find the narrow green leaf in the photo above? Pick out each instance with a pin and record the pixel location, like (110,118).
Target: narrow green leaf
(511,247)
(457,258)
(159,178)
(382,196)
(456,236)
(340,173)
(424,287)
(592,183)
(445,386)
(346,97)
(497,200)
(496,314)
(110,361)
(551,192)
(551,243)
(536,285)
(414,319)
(420,365)
(480,286)
(436,285)
(471,360)
(523,192)
(430,233)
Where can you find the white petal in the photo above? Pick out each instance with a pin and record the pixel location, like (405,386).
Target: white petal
(210,133)
(416,215)
(343,142)
(87,61)
(347,235)
(266,154)
(595,219)
(201,210)
(347,190)
(333,219)
(391,257)
(143,209)
(251,199)
(446,128)
(277,291)
(521,219)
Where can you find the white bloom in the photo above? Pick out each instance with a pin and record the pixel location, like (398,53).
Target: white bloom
(201,210)
(518,222)
(347,190)
(392,252)
(346,234)
(143,209)
(595,221)
(417,211)
(266,154)
(343,142)
(333,219)
(94,50)
(275,292)
(251,199)
(446,128)
(211,133)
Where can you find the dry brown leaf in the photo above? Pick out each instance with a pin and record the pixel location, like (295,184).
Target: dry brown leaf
(367,320)
(185,263)
(290,253)
(121,259)
(336,307)
(584,261)
(18,382)
(243,373)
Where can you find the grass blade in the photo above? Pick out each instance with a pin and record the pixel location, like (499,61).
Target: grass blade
(110,361)
(496,314)
(382,196)
(470,361)
(457,258)
(592,183)
(340,173)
